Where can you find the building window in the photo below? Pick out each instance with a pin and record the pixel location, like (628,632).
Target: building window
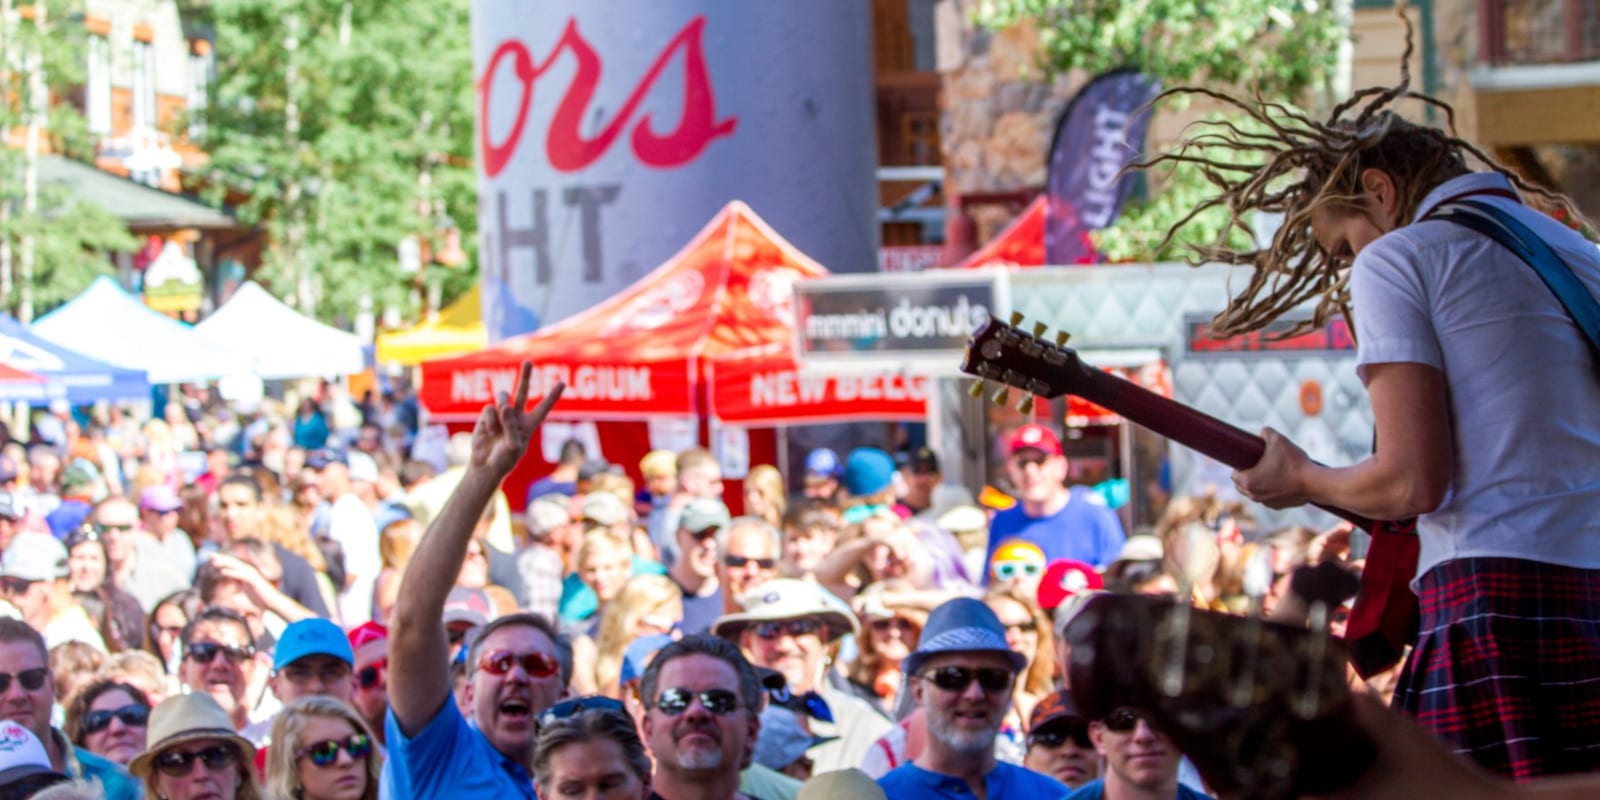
(97,96)
(144,85)
(200,67)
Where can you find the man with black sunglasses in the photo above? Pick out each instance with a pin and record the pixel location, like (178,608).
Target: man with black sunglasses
(220,660)
(513,671)
(27,693)
(702,716)
(747,556)
(1141,763)
(1058,741)
(961,675)
(695,568)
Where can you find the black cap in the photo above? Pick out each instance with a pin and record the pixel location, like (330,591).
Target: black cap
(922,459)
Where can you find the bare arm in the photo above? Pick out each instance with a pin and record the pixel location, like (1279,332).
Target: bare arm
(1408,473)
(834,570)
(419,675)
(265,594)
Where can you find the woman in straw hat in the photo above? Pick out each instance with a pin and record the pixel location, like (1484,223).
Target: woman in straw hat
(194,752)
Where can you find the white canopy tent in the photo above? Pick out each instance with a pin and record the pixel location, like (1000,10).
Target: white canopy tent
(280,341)
(108,324)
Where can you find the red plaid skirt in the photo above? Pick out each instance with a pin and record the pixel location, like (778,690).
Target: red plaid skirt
(1507,665)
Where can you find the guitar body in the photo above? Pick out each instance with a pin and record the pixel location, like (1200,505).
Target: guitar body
(1384,620)
(1262,709)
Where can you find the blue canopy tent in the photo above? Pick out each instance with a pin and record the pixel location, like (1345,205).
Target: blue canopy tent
(77,378)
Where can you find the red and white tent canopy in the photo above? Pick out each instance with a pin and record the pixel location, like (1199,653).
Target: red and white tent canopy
(717,314)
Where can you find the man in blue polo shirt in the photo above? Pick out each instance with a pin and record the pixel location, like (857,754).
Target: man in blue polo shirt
(961,675)
(512,664)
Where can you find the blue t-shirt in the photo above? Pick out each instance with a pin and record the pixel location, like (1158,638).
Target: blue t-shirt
(545,486)
(1083,530)
(700,612)
(1095,789)
(450,758)
(909,781)
(117,782)
(578,602)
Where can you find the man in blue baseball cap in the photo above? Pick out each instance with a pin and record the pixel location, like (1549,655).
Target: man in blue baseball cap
(961,674)
(823,471)
(313,657)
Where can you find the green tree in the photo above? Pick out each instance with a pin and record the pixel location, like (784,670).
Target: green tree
(1282,50)
(52,244)
(347,127)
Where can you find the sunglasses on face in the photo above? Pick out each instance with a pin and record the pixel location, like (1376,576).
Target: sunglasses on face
(499,662)
(791,627)
(1023,462)
(369,675)
(1026,626)
(1059,734)
(721,702)
(206,652)
(326,752)
(1006,570)
(893,623)
(14,585)
(32,680)
(704,535)
(957,679)
(133,716)
(123,527)
(179,763)
(578,705)
(739,561)
(1123,720)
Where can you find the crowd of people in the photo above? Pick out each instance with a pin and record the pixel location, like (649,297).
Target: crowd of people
(337,623)
(330,605)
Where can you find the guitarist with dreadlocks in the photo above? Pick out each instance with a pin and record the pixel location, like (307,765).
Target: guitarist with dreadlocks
(1485,394)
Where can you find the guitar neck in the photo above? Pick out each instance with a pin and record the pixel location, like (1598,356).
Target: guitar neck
(1197,431)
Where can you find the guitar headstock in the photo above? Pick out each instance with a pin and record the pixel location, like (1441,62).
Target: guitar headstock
(1261,708)
(1008,355)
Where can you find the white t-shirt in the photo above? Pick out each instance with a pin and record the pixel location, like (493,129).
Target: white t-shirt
(1524,387)
(353,527)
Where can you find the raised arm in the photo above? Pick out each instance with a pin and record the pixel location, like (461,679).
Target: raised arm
(419,673)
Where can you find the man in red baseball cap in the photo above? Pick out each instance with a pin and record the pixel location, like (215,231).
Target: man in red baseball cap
(1072,524)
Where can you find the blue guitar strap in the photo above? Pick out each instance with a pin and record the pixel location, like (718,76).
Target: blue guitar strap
(1515,236)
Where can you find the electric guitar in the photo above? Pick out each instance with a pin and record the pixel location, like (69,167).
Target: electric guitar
(1384,619)
(1262,709)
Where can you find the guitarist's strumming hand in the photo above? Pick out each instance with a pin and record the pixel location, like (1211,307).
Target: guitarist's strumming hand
(501,435)
(1278,479)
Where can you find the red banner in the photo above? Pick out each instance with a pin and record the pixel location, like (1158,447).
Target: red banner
(772,391)
(452,390)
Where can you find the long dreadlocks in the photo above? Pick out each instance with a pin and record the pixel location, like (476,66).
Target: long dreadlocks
(1306,167)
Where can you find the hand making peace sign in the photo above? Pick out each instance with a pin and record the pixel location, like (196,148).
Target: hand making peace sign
(504,428)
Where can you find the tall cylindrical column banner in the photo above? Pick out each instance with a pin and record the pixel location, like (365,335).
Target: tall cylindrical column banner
(609,133)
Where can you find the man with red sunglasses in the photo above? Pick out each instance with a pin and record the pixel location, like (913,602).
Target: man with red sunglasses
(512,666)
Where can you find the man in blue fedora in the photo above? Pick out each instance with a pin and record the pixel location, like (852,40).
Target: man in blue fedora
(961,675)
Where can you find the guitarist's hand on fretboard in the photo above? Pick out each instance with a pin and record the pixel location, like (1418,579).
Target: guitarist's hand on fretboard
(1276,480)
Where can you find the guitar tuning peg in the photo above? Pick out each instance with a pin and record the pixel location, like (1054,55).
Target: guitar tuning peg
(1003,396)
(1016,318)
(1061,338)
(1026,406)
(976,390)
(1039,328)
